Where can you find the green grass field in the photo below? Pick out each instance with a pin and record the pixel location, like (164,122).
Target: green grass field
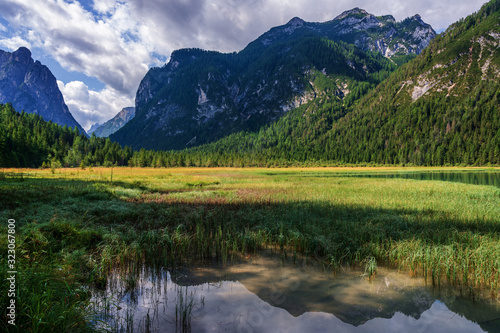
(74,226)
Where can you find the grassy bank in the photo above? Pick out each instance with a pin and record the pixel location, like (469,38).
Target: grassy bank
(73,226)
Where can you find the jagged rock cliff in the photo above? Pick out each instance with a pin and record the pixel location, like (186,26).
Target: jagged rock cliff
(30,86)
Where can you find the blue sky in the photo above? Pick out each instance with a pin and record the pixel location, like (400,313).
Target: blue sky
(99,50)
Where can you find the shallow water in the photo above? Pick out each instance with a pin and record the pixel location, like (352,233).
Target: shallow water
(468,177)
(477,177)
(267,294)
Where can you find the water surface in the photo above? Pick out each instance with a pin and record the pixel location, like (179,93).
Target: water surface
(268,294)
(476,177)
(468,177)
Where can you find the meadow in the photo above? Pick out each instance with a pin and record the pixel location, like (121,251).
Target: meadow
(76,226)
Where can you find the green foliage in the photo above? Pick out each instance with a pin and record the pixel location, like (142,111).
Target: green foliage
(26,140)
(83,228)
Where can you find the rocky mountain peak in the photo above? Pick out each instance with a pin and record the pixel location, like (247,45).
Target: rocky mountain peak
(367,31)
(30,86)
(387,19)
(93,128)
(418,18)
(115,123)
(354,11)
(22,55)
(257,85)
(293,24)
(296,21)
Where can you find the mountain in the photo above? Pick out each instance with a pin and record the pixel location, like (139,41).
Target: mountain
(368,32)
(442,108)
(114,124)
(30,86)
(201,96)
(93,128)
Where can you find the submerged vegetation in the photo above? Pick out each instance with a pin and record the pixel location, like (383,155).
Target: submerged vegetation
(76,226)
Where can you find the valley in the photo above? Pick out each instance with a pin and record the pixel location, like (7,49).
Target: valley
(100,228)
(338,175)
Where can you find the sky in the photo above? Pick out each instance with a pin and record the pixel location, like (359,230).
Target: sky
(99,50)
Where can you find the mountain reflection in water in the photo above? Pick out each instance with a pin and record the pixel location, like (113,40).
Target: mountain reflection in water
(266,294)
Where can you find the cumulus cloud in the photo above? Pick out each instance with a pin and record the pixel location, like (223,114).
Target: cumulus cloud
(81,41)
(114,40)
(103,6)
(14,43)
(89,107)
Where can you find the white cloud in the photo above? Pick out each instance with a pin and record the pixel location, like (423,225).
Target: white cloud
(115,43)
(103,6)
(81,42)
(229,25)
(89,107)
(14,43)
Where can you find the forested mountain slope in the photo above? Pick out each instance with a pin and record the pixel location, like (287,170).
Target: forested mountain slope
(441,108)
(201,96)
(27,140)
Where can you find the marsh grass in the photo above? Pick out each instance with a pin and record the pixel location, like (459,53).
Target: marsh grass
(48,299)
(185,304)
(77,227)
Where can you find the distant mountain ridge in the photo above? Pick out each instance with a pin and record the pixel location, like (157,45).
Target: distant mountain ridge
(366,31)
(30,86)
(93,128)
(201,96)
(114,124)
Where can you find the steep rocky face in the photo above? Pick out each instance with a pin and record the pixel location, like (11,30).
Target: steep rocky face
(115,123)
(456,76)
(201,96)
(30,86)
(384,34)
